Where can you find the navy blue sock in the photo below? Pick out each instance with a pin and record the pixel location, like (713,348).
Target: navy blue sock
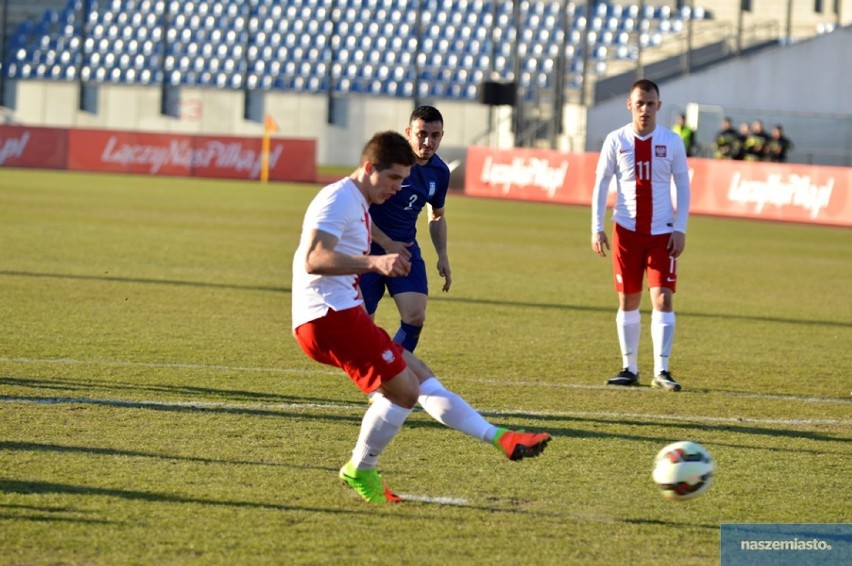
(408,335)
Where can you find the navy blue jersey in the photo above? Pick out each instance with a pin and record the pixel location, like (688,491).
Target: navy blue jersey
(397,216)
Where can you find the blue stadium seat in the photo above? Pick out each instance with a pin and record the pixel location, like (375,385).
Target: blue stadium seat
(373,35)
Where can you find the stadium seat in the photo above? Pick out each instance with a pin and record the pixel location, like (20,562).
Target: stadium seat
(373,35)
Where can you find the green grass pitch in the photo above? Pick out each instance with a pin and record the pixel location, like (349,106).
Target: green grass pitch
(155,409)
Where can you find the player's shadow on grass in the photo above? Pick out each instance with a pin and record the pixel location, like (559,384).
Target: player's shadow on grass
(30,487)
(148,281)
(682,426)
(92,450)
(43,514)
(663,523)
(188,407)
(222,395)
(585,308)
(477,301)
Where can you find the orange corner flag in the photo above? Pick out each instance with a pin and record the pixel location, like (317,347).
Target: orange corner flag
(269,124)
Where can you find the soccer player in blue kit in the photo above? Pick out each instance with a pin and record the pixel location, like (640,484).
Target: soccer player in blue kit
(395,229)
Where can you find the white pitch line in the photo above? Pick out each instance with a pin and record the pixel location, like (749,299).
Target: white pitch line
(319,370)
(458,501)
(774,396)
(167,365)
(695,418)
(201,405)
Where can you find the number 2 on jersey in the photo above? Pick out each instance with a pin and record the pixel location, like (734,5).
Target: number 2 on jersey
(411,200)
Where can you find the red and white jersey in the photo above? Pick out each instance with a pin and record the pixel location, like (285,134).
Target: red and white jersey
(643,167)
(341,210)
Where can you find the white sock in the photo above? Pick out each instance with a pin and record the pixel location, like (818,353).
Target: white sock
(379,426)
(662,335)
(451,410)
(629,325)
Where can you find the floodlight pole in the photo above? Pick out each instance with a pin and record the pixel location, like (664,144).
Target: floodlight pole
(335,12)
(744,6)
(85,9)
(517,118)
(164,26)
(418,34)
(250,6)
(640,68)
(559,80)
(4,69)
(789,31)
(584,44)
(689,39)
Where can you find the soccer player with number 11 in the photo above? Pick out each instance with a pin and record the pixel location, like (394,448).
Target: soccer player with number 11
(650,230)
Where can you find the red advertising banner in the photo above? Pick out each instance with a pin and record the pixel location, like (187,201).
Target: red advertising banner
(156,154)
(530,174)
(45,148)
(185,155)
(770,191)
(130,152)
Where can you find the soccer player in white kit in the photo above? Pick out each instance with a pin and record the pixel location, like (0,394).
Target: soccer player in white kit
(649,231)
(332,326)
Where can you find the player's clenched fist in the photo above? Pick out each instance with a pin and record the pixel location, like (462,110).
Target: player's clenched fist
(392,265)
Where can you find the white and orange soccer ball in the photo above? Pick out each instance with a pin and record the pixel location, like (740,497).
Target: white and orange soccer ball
(683,470)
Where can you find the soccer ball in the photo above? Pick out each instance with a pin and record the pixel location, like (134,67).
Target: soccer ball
(683,470)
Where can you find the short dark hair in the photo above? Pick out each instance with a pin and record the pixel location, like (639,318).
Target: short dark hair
(646,85)
(427,114)
(386,149)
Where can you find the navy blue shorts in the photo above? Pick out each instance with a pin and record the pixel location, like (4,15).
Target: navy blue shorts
(373,284)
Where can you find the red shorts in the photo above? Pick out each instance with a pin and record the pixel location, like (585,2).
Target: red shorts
(634,255)
(350,340)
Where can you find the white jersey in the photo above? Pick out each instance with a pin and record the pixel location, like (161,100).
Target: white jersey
(644,167)
(341,210)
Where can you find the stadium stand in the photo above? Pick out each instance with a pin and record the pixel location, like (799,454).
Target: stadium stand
(349,46)
(424,49)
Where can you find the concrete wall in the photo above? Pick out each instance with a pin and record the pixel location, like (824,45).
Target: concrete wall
(804,21)
(213,111)
(807,79)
